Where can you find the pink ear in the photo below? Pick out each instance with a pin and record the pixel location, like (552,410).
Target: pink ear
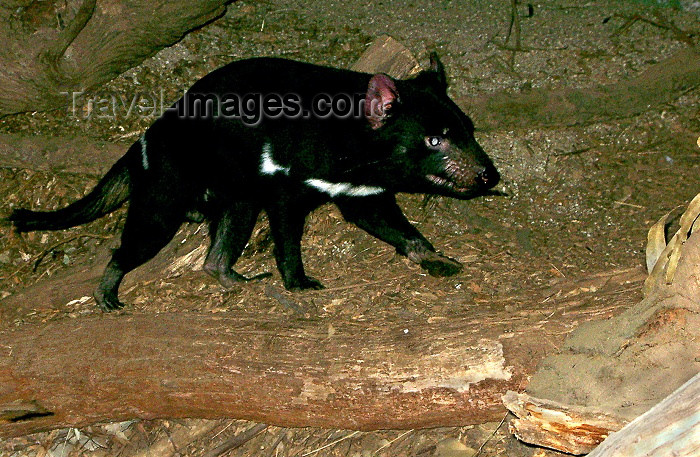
(381,94)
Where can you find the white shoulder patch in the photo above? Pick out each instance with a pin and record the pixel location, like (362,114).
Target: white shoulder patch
(267,164)
(343,188)
(144,156)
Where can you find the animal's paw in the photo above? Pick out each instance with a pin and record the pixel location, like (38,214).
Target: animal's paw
(440,265)
(108,301)
(229,279)
(303,283)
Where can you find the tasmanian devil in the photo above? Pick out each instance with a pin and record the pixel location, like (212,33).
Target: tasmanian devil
(209,156)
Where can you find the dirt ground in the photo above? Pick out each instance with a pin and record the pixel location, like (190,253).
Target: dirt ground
(579,202)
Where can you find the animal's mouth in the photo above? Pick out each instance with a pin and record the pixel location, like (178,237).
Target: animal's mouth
(464,179)
(446,182)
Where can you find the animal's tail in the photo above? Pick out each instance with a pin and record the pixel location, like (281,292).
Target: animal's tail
(109,194)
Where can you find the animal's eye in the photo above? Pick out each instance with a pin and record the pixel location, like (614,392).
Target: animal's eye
(433,141)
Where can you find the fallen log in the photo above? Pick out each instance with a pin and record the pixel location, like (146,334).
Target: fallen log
(659,84)
(73,372)
(270,366)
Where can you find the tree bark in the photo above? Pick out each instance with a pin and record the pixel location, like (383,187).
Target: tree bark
(50,47)
(669,428)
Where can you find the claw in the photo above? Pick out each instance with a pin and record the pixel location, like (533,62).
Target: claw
(441,266)
(108,302)
(231,278)
(304,283)
(436,264)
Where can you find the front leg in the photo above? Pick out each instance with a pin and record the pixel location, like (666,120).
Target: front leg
(381,217)
(287,227)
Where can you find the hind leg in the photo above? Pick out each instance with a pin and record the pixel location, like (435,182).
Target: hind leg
(150,225)
(230,233)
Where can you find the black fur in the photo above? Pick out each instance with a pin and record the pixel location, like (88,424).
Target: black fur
(411,138)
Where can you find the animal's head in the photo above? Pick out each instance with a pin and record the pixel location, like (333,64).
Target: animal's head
(432,144)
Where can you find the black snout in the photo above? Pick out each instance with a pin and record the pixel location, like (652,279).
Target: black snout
(488,177)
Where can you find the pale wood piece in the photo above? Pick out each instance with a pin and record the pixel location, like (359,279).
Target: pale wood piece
(576,430)
(386,55)
(671,428)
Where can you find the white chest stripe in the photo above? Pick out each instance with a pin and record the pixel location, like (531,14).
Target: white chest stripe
(343,188)
(144,157)
(267,165)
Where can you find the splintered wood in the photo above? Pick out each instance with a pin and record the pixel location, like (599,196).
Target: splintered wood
(553,425)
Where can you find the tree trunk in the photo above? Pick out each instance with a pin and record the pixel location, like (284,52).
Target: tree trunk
(50,47)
